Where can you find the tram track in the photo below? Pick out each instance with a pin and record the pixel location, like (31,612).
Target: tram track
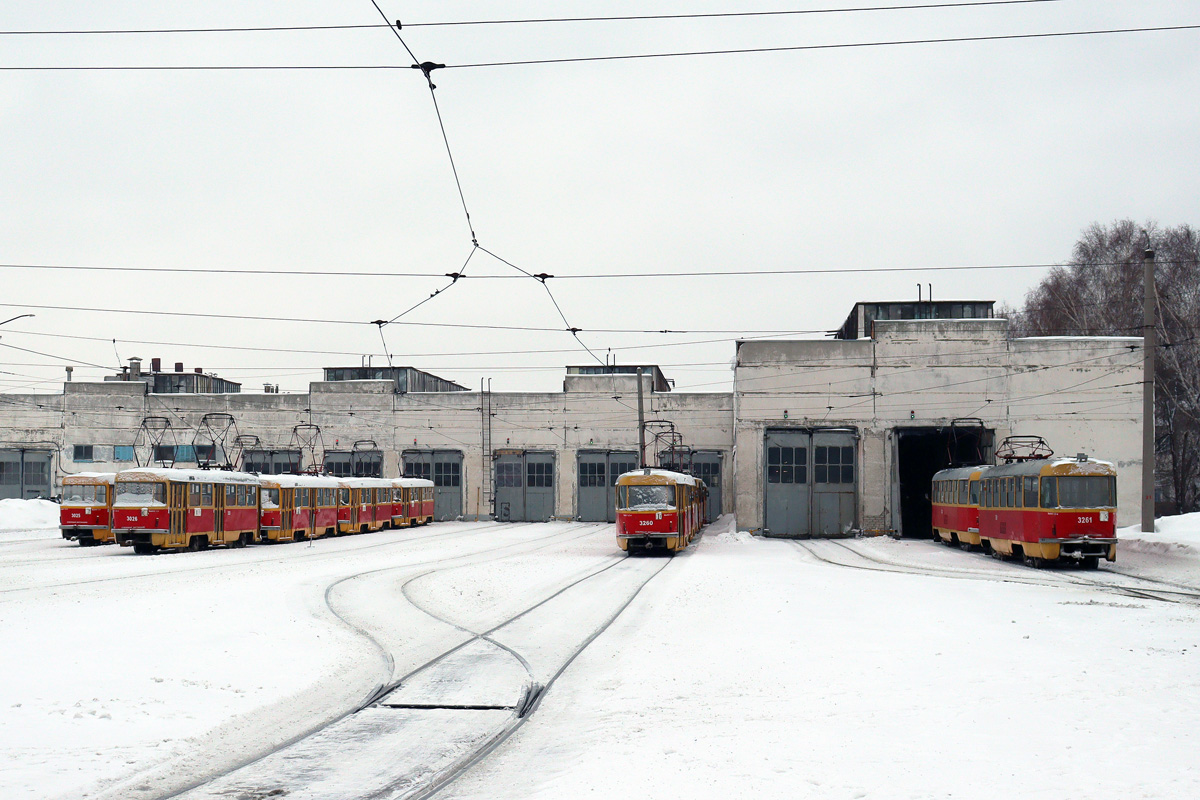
(378,689)
(962,573)
(519,710)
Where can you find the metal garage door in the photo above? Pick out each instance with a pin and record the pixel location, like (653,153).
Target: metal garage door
(810,482)
(24,473)
(833,482)
(706,465)
(524,484)
(598,473)
(445,469)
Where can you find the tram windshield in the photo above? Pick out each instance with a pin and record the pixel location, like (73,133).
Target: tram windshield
(270,498)
(84,493)
(140,493)
(647,498)
(1098,491)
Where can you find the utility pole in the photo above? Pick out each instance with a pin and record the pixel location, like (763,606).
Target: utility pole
(1149,346)
(641,424)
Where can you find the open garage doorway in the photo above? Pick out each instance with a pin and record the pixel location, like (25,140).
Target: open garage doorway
(921,452)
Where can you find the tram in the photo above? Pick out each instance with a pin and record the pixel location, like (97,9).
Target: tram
(956,506)
(1050,510)
(659,509)
(365,504)
(86,512)
(412,502)
(298,507)
(190,509)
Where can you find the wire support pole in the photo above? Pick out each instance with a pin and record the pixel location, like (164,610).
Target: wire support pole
(1149,346)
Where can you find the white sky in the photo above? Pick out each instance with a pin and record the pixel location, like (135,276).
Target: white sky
(913,156)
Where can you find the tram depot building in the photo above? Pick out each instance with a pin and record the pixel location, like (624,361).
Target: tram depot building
(818,437)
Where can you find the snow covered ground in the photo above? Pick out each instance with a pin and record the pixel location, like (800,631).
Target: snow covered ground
(745,667)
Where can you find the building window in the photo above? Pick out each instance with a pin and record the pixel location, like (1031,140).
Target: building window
(540,474)
(591,474)
(417,469)
(447,473)
(164,452)
(787,465)
(83,452)
(123,452)
(508,474)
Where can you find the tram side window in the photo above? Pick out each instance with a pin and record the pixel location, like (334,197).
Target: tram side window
(194,494)
(975,493)
(206,494)
(231,494)
(1049,492)
(344,496)
(1031,491)
(962,493)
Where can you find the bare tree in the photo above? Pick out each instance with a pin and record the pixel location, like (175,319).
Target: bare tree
(1100,293)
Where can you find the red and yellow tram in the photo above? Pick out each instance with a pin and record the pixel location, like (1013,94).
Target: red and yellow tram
(184,508)
(956,505)
(365,505)
(657,508)
(86,509)
(298,507)
(1050,510)
(1040,510)
(412,502)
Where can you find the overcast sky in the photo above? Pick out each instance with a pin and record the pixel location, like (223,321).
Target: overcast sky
(925,156)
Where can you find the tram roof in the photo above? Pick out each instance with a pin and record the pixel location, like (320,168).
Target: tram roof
(960,473)
(187,475)
(651,475)
(412,482)
(90,477)
(313,481)
(1056,466)
(366,483)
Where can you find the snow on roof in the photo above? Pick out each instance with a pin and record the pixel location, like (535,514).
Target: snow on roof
(91,477)
(186,475)
(317,481)
(365,483)
(677,477)
(958,473)
(412,482)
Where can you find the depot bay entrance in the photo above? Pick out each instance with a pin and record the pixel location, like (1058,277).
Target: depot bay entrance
(810,481)
(598,473)
(920,452)
(524,481)
(444,468)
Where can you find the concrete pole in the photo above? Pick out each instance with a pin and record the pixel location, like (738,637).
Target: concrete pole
(1149,348)
(641,423)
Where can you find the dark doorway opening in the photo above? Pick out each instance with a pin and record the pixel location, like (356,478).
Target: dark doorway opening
(920,454)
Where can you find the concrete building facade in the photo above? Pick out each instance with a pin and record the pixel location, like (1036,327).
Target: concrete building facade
(817,438)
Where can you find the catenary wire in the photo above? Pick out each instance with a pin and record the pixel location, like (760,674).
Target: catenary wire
(583,59)
(538,20)
(567,277)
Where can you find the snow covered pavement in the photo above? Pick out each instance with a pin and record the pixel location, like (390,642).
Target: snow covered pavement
(745,667)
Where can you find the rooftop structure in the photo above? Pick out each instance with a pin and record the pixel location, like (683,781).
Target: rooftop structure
(177,382)
(584,378)
(406,379)
(861,322)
